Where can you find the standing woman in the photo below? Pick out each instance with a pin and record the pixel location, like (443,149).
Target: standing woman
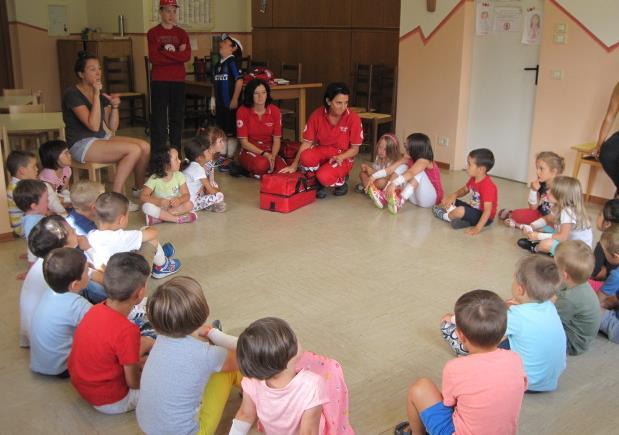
(607,150)
(331,141)
(87,112)
(259,129)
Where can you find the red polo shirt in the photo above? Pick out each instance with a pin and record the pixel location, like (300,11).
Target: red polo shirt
(259,130)
(347,132)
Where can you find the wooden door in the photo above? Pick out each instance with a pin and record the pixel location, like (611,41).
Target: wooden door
(262,13)
(6,72)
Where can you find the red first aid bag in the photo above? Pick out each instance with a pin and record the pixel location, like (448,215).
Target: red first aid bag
(288,150)
(285,192)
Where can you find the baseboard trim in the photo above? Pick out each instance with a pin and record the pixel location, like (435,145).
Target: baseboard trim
(7,237)
(442,165)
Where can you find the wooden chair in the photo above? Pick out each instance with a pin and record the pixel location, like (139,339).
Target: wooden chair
(36,137)
(22,93)
(293,73)
(584,157)
(362,88)
(118,72)
(93,169)
(6,146)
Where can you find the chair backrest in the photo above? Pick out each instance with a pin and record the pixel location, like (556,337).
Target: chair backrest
(362,86)
(384,90)
(244,64)
(291,72)
(4,142)
(27,108)
(258,64)
(16,92)
(118,74)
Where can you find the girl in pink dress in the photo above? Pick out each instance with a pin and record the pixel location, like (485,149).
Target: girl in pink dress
(56,166)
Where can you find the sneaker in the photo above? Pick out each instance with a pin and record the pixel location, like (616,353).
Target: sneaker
(170,267)
(439,212)
(504,214)
(458,224)
(133,206)
(394,203)
(378,196)
(528,245)
(510,222)
(138,312)
(135,192)
(448,331)
(341,190)
(218,207)
(322,192)
(187,218)
(217,324)
(168,249)
(151,220)
(359,188)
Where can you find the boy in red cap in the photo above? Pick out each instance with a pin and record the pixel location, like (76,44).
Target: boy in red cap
(168,50)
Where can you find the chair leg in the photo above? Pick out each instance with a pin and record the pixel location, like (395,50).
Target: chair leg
(76,174)
(592,174)
(577,164)
(92,174)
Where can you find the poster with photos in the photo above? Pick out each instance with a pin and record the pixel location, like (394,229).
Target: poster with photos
(483,18)
(532,28)
(507,19)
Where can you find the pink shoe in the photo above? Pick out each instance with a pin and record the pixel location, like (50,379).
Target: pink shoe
(378,196)
(187,218)
(394,203)
(151,220)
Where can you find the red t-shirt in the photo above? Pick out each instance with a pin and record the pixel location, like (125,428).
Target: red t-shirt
(103,343)
(484,191)
(347,132)
(168,66)
(259,130)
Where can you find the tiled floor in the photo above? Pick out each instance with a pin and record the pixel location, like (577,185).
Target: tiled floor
(356,283)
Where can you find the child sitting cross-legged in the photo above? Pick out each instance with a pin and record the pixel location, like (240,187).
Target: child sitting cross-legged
(84,193)
(608,217)
(203,191)
(22,165)
(108,353)
(31,197)
(484,197)
(59,312)
(182,362)
(481,393)
(111,237)
(610,290)
(530,311)
(577,303)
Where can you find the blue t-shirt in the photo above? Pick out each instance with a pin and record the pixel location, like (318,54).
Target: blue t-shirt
(53,324)
(611,285)
(535,332)
(80,223)
(225,77)
(28,221)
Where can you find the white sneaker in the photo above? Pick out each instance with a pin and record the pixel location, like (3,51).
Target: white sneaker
(133,206)
(135,192)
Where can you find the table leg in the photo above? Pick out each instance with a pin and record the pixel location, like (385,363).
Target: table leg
(61,134)
(301,113)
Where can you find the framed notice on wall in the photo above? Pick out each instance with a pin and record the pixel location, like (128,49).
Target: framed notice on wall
(57,20)
(193,15)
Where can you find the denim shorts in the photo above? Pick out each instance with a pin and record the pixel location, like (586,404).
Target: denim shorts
(79,149)
(438,419)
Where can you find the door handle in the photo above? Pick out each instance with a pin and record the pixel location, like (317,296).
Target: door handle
(536,69)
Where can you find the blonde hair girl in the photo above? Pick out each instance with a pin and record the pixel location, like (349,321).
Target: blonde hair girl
(388,152)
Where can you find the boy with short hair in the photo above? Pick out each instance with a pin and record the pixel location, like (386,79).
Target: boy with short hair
(22,165)
(59,312)
(484,196)
(107,351)
(577,304)
(609,293)
(84,193)
(482,392)
(31,197)
(111,237)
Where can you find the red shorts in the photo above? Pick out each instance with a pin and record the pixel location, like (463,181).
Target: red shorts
(257,164)
(317,159)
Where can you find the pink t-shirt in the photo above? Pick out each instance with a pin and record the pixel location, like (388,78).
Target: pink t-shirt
(486,390)
(58,183)
(280,409)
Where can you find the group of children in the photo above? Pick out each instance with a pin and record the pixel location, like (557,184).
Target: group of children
(84,314)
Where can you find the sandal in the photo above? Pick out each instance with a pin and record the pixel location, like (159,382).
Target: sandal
(504,213)
(403,429)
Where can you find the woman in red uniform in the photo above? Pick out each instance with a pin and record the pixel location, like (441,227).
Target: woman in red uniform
(259,129)
(331,141)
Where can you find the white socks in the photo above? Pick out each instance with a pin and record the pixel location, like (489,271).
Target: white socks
(159,259)
(222,339)
(407,192)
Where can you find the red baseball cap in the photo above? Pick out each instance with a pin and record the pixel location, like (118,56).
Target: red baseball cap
(164,3)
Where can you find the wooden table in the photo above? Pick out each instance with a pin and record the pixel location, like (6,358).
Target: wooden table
(17,100)
(296,92)
(32,122)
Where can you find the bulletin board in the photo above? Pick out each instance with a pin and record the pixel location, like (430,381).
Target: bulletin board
(196,15)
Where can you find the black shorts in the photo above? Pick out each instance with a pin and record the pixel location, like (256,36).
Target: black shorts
(226,120)
(471,214)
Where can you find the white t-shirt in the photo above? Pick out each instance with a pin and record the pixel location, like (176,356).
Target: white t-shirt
(32,291)
(586,235)
(53,325)
(194,174)
(105,243)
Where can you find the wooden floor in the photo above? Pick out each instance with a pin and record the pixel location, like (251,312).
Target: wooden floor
(356,283)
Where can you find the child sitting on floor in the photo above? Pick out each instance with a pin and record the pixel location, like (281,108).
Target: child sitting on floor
(547,166)
(387,153)
(31,197)
(481,393)
(165,197)
(59,312)
(111,237)
(84,193)
(484,196)
(284,400)
(108,353)
(577,304)
(22,165)
(56,167)
(182,362)
(571,219)
(202,194)
(609,216)
(530,311)
(214,144)
(610,291)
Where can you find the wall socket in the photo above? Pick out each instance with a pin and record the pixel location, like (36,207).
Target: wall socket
(443,141)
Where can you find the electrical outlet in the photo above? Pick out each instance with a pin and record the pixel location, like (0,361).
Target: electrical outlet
(560,38)
(443,141)
(556,74)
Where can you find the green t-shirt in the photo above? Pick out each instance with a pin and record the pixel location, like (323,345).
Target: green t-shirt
(166,189)
(579,310)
